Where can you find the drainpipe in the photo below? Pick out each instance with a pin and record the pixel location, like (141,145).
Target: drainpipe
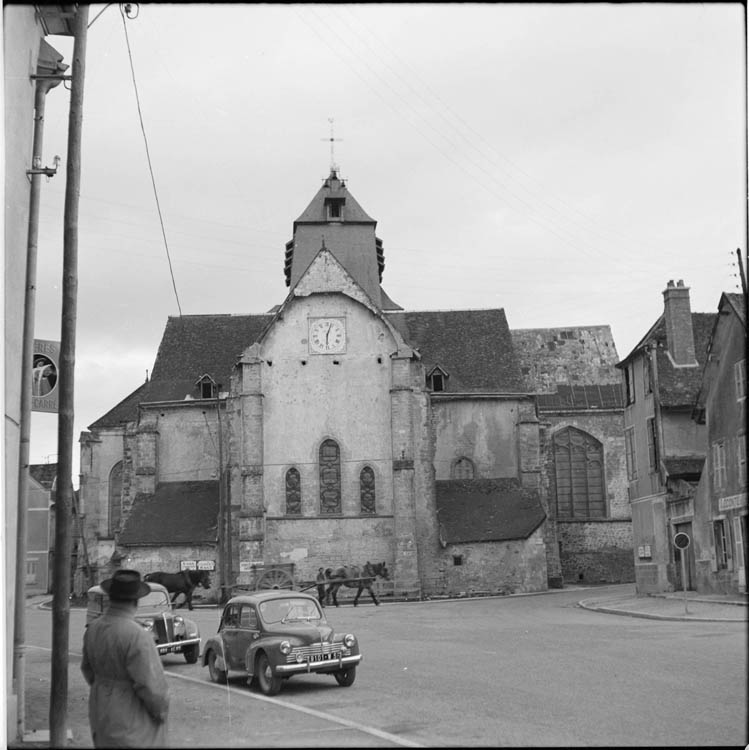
(49,74)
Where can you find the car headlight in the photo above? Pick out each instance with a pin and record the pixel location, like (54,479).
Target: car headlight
(178,620)
(285,648)
(147,624)
(349,640)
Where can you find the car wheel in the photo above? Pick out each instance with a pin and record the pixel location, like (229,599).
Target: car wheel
(268,683)
(192,653)
(346,677)
(217,675)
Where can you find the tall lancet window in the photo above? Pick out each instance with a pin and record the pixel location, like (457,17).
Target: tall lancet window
(115,498)
(367,490)
(330,477)
(293,493)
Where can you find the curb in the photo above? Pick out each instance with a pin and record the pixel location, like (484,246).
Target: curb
(593,607)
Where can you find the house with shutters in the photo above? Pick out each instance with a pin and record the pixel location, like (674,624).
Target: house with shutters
(665,447)
(336,428)
(720,499)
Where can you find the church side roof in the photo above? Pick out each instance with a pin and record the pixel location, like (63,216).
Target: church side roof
(177,513)
(486,510)
(192,346)
(571,355)
(125,411)
(474,348)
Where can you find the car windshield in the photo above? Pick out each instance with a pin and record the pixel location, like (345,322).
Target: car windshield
(290,610)
(154,600)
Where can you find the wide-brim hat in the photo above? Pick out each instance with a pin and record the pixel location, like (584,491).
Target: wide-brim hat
(126,584)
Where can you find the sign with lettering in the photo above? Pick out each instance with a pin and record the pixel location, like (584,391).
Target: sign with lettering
(45,376)
(188,565)
(206,565)
(731,502)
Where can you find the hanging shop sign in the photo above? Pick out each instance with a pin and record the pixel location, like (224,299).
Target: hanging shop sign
(45,376)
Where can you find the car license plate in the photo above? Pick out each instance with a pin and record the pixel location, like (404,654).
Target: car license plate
(322,657)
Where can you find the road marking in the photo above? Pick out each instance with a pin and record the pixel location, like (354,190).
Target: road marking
(283,704)
(303,709)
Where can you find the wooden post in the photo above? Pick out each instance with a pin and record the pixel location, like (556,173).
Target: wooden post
(61,573)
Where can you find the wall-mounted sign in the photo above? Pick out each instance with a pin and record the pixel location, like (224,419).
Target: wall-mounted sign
(731,502)
(644,551)
(206,565)
(188,565)
(45,375)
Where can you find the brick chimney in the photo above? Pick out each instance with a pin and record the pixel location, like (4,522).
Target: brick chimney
(678,314)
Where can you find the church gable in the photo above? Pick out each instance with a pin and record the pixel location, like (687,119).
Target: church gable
(326,274)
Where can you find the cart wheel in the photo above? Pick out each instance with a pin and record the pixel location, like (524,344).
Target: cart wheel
(275,578)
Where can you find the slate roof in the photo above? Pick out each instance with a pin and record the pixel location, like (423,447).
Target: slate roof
(474,348)
(738,303)
(582,398)
(333,187)
(177,513)
(683,466)
(192,346)
(571,355)
(486,510)
(45,474)
(678,386)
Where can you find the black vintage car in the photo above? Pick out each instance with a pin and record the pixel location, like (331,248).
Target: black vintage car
(272,635)
(172,633)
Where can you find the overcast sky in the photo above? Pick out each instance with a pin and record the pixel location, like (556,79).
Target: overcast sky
(560,161)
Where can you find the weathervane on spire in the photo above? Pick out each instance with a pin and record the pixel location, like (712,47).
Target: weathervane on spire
(332,139)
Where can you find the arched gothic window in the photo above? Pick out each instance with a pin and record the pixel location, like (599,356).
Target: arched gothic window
(578,469)
(330,477)
(463,468)
(367,490)
(293,493)
(115,498)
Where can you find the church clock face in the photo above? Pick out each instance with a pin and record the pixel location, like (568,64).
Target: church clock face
(327,335)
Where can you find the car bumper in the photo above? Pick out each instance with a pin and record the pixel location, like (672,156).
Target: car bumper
(176,647)
(328,665)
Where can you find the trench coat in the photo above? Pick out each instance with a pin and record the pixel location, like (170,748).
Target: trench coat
(128,702)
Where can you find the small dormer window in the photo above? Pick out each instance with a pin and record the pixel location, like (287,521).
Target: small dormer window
(334,208)
(437,380)
(207,387)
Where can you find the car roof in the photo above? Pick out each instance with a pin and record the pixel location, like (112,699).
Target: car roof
(154,587)
(257,597)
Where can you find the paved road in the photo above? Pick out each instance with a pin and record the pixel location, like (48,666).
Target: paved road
(509,671)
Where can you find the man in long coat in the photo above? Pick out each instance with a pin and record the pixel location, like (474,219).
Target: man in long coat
(129,698)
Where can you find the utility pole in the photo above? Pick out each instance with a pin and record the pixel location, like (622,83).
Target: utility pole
(221,510)
(61,574)
(49,69)
(741,271)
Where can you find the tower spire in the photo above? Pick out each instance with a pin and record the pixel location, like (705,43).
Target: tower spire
(332,140)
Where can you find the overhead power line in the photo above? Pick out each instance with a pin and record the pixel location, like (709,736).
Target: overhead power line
(148,157)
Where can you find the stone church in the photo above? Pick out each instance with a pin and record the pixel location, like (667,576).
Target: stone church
(340,428)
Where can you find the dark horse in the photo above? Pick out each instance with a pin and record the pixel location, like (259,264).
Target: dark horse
(183,582)
(354,577)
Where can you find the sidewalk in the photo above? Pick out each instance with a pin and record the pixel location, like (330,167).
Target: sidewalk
(672,606)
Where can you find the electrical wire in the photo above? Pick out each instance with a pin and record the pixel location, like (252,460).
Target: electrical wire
(123,13)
